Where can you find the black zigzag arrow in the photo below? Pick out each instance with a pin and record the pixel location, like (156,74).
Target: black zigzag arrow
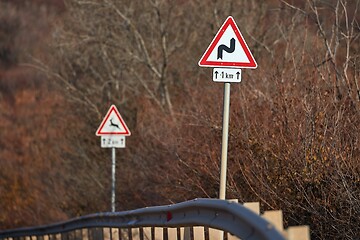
(225,48)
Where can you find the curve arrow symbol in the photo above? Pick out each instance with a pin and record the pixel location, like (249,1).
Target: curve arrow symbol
(225,48)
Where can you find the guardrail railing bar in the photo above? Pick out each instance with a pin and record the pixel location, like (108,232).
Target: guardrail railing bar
(213,213)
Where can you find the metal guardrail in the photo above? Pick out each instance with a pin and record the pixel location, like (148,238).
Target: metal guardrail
(213,213)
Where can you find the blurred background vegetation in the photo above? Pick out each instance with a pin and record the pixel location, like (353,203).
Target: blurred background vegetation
(294,121)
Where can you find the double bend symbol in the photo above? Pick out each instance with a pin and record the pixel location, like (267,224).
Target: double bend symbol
(225,48)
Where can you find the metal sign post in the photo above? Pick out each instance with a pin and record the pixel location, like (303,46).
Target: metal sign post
(113,167)
(113,131)
(224,142)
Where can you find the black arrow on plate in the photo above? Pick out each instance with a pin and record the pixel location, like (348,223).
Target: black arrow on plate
(216,73)
(225,48)
(238,75)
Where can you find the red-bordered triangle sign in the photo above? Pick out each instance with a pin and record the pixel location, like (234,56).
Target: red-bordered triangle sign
(228,49)
(113,123)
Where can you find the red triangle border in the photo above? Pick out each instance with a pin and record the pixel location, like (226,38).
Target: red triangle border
(111,109)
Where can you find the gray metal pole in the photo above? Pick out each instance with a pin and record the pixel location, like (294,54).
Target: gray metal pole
(224,143)
(113,180)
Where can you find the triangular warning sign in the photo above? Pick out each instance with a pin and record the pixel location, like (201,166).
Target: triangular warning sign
(228,49)
(113,124)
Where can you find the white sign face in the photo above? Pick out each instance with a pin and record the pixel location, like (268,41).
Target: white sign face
(227,75)
(112,141)
(113,124)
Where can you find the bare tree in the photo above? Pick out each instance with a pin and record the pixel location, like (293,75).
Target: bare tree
(123,48)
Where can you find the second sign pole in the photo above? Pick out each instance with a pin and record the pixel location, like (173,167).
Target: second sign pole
(224,142)
(113,167)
